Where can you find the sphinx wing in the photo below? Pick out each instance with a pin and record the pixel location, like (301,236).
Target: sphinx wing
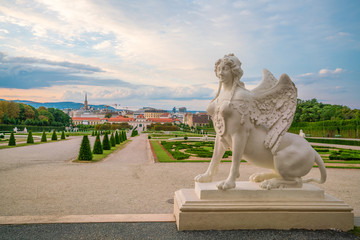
(274,108)
(267,82)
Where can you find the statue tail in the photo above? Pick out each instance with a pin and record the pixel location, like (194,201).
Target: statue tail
(320,163)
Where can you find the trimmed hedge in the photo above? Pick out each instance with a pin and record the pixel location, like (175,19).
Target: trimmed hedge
(43,137)
(62,135)
(112,140)
(334,141)
(97,149)
(106,142)
(85,149)
(54,136)
(12,140)
(30,138)
(345,154)
(117,138)
(345,128)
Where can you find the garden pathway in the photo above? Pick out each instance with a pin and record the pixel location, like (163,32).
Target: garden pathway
(42,180)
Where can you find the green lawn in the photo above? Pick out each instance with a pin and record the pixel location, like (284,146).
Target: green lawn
(27,144)
(162,156)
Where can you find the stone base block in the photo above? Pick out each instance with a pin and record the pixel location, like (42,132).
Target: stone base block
(250,207)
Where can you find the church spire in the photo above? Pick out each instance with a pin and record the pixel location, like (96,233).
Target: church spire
(86,102)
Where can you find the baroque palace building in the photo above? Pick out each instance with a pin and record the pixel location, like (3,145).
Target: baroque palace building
(142,119)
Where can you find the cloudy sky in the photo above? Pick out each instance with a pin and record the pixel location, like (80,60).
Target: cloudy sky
(162,53)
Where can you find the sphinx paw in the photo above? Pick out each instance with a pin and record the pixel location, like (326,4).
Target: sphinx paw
(203,178)
(257,177)
(269,184)
(225,185)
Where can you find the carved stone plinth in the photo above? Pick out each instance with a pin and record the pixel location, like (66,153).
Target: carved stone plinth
(250,207)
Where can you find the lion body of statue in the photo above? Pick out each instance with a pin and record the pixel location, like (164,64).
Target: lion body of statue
(253,125)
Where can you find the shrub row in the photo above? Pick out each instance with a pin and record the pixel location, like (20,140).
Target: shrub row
(345,154)
(334,141)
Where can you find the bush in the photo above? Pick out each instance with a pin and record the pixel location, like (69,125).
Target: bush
(97,149)
(63,135)
(149,137)
(106,142)
(2,135)
(12,140)
(30,138)
(85,149)
(334,141)
(345,154)
(185,138)
(112,140)
(54,136)
(117,138)
(124,137)
(43,137)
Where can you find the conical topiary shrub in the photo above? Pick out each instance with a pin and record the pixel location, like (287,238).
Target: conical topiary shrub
(97,149)
(63,135)
(30,138)
(117,138)
(85,149)
(112,140)
(12,140)
(54,136)
(124,136)
(92,133)
(106,142)
(43,137)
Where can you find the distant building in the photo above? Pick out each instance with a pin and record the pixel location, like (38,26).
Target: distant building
(154,113)
(197,120)
(182,110)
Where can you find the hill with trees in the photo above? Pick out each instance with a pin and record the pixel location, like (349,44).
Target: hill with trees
(314,111)
(325,120)
(12,113)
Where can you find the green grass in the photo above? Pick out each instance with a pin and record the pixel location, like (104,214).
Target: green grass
(162,156)
(99,157)
(355,231)
(28,144)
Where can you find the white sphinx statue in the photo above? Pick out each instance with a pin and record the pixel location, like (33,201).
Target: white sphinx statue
(253,125)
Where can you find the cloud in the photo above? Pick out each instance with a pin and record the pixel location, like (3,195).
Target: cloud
(27,73)
(103,45)
(326,72)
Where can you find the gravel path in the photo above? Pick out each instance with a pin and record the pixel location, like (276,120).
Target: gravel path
(42,180)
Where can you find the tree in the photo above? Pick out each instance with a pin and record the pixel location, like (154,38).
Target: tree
(30,138)
(54,136)
(106,143)
(117,138)
(63,135)
(12,140)
(43,137)
(13,110)
(28,112)
(112,140)
(85,149)
(108,115)
(124,136)
(97,149)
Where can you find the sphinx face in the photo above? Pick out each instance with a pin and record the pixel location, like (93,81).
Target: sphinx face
(225,73)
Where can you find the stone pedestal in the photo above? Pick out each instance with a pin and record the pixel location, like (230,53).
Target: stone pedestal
(250,207)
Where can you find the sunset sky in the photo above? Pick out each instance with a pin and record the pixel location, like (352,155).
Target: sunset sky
(162,53)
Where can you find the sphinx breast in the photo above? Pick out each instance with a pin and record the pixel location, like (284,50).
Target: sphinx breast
(211,108)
